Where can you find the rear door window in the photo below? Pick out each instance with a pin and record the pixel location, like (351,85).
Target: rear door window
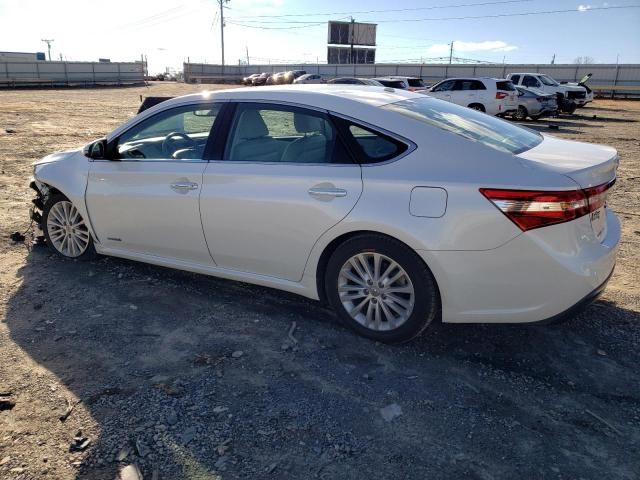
(275,133)
(469,85)
(416,82)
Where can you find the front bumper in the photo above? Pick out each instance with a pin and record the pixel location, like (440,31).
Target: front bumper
(538,275)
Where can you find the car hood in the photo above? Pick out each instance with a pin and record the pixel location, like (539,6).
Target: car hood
(57,157)
(586,163)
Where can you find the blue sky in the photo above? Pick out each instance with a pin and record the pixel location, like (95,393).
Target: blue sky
(169,31)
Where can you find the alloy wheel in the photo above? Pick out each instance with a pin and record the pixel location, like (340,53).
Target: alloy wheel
(67,231)
(376,291)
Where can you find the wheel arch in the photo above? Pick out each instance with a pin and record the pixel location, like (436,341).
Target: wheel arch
(473,104)
(330,248)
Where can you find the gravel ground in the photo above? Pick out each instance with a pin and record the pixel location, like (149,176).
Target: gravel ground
(181,376)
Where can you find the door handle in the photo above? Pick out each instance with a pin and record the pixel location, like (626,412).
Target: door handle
(327,192)
(184,186)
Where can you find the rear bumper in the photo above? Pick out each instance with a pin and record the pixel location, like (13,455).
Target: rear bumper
(545,112)
(538,276)
(576,308)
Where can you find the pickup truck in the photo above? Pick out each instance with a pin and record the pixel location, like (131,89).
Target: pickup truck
(569,96)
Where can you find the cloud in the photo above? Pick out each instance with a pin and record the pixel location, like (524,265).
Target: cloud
(459,47)
(584,8)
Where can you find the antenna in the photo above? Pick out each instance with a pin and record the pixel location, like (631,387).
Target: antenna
(48,41)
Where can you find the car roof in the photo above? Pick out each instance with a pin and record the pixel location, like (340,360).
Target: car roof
(342,98)
(307,95)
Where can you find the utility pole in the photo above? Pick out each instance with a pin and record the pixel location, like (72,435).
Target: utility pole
(48,41)
(451,52)
(246,47)
(353,31)
(553,59)
(222,2)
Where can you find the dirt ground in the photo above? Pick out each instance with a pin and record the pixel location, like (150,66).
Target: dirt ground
(192,377)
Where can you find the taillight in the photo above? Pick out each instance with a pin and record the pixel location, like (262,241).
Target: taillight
(530,209)
(501,95)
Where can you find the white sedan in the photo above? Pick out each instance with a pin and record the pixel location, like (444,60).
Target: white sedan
(395,208)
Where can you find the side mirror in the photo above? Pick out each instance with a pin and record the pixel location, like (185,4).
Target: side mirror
(96,150)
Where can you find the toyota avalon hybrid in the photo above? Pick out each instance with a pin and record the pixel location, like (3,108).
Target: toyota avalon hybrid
(395,208)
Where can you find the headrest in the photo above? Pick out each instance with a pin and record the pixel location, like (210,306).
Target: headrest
(251,125)
(307,123)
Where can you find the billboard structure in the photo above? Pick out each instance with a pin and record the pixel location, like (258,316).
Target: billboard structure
(351,42)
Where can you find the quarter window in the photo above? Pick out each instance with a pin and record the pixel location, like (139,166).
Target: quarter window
(271,133)
(375,146)
(175,134)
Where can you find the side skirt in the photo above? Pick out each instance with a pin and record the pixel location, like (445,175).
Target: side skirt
(255,279)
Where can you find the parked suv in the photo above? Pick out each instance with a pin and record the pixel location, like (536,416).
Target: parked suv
(569,96)
(490,95)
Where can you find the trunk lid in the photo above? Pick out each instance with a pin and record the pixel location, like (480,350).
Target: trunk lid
(587,164)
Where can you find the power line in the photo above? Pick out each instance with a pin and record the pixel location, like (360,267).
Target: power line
(276,28)
(434,7)
(438,19)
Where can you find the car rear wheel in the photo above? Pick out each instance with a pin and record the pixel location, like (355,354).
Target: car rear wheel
(521,114)
(477,106)
(381,288)
(65,230)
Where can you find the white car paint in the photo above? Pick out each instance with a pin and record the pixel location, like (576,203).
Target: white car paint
(482,92)
(256,222)
(547,84)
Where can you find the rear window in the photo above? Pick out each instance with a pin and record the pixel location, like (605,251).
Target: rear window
(506,85)
(477,126)
(416,82)
(392,83)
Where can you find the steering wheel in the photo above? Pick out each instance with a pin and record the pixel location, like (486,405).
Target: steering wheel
(170,143)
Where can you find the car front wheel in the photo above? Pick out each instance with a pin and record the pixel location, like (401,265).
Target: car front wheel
(381,288)
(65,230)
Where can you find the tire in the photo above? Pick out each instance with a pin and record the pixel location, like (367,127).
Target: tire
(521,114)
(401,316)
(61,219)
(477,106)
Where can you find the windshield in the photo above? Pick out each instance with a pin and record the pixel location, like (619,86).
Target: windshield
(480,127)
(547,80)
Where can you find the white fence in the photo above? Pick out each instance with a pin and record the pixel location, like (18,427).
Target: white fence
(622,79)
(39,73)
